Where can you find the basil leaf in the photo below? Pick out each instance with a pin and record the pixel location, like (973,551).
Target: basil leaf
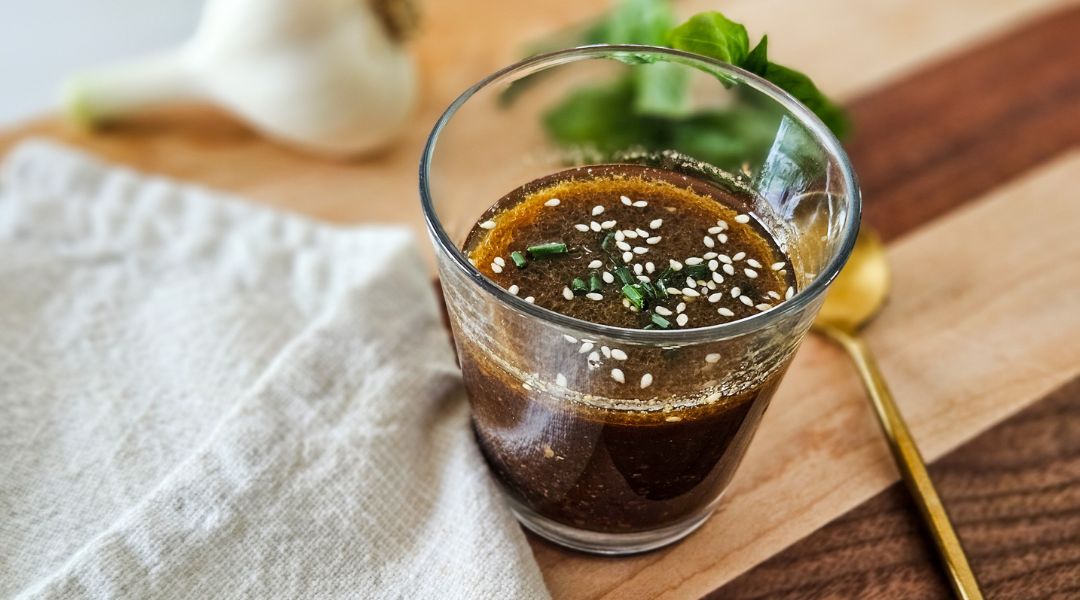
(662,90)
(634,22)
(804,90)
(757,61)
(601,117)
(714,35)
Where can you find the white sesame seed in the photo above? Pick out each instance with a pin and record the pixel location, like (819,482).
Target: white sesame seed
(675,265)
(727,312)
(673,419)
(712,358)
(640,204)
(530,299)
(738,256)
(682,320)
(662,311)
(753,263)
(776,266)
(714,298)
(630,233)
(625,200)
(742,218)
(722,224)
(618,354)
(560,380)
(596,264)
(715,230)
(656,223)
(644,278)
(552,202)
(641,232)
(597,210)
(790,292)
(690,282)
(594,226)
(709,255)
(640,249)
(654,240)
(673,291)
(607,224)
(496,268)
(585,347)
(514,289)
(646,380)
(566,293)
(708,241)
(736,292)
(722,238)
(619,236)
(711,285)
(714,265)
(488,224)
(607,277)
(626,303)
(752,274)
(763,307)
(605,351)
(695,260)
(681,307)
(581,227)
(746,300)
(718,278)
(638,269)
(500,261)
(650,267)
(617,375)
(570,338)
(774,295)
(622,245)
(692,293)
(627,256)
(594,296)
(724,258)
(730,270)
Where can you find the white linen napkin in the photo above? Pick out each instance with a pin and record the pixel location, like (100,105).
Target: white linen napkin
(201,398)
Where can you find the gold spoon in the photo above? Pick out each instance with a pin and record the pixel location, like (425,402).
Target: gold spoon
(855,297)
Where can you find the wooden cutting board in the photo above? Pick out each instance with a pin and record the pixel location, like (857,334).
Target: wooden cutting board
(968,123)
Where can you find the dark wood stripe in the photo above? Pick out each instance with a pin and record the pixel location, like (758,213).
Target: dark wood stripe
(950,132)
(1014,493)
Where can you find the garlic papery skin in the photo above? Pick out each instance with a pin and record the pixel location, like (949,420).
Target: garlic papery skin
(324,76)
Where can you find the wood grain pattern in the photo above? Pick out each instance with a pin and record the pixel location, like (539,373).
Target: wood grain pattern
(1014,493)
(950,132)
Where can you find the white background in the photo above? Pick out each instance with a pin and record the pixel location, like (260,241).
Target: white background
(42,41)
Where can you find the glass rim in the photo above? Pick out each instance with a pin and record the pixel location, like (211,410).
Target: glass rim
(822,134)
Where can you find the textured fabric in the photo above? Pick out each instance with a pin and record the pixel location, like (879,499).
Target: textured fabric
(206,399)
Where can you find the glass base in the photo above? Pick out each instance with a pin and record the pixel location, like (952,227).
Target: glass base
(610,544)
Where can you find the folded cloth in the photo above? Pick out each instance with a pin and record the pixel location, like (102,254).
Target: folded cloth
(201,398)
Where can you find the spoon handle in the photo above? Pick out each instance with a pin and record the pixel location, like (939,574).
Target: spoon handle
(911,465)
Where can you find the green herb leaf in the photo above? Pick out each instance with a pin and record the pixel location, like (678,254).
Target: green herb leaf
(624,275)
(659,321)
(714,35)
(634,295)
(578,286)
(601,117)
(757,60)
(595,283)
(804,90)
(634,22)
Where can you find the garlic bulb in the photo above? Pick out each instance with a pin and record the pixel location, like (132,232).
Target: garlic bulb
(326,76)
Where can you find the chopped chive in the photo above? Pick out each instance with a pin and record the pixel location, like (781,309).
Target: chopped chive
(625,275)
(595,283)
(633,295)
(518,258)
(649,326)
(659,321)
(661,290)
(650,292)
(697,271)
(578,286)
(605,245)
(547,249)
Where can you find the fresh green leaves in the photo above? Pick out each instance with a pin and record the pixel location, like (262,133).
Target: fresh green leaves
(714,35)
(650,105)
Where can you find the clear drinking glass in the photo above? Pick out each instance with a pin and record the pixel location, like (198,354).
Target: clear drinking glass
(617,469)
